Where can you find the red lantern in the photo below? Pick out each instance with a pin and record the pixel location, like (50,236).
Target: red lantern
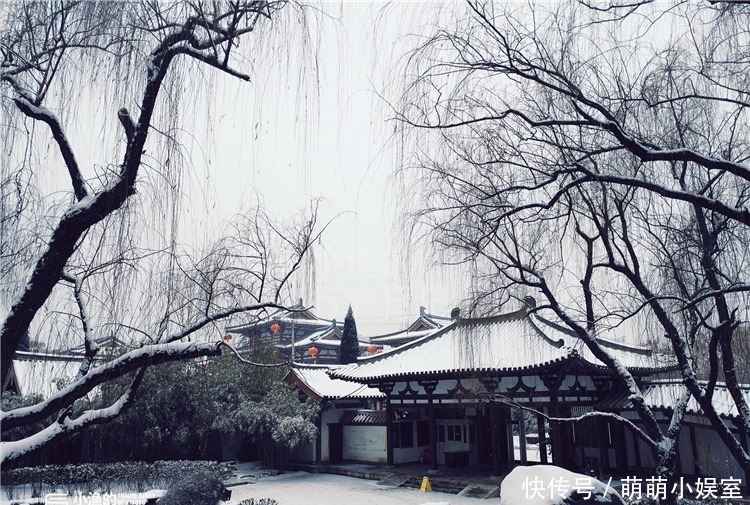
(372,349)
(313,351)
(227,337)
(275,327)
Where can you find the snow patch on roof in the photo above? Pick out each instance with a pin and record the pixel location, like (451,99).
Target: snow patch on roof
(509,342)
(318,381)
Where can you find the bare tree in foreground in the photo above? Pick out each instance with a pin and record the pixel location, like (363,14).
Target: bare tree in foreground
(596,156)
(80,262)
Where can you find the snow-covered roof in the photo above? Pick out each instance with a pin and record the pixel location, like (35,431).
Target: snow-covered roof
(364,417)
(44,374)
(327,337)
(315,381)
(297,315)
(401,336)
(632,357)
(664,395)
(107,341)
(424,325)
(513,342)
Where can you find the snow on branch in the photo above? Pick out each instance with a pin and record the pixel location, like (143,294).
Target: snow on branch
(138,358)
(26,105)
(64,424)
(218,316)
(212,61)
(90,345)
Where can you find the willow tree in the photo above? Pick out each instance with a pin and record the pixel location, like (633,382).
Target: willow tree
(596,156)
(89,240)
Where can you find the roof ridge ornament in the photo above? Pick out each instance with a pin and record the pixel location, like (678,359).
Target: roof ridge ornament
(456,313)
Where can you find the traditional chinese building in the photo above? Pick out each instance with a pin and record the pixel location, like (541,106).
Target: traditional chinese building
(701,451)
(351,425)
(295,332)
(453,396)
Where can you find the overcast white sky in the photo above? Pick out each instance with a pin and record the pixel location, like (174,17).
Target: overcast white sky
(289,138)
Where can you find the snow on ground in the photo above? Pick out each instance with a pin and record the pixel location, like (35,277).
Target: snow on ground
(548,485)
(295,488)
(300,488)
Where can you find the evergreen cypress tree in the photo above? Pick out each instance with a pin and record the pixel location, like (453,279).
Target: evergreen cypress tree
(349,343)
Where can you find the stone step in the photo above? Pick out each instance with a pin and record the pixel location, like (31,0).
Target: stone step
(437,484)
(394,479)
(481,491)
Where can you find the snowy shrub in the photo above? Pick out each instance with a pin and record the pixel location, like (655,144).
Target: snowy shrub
(290,432)
(90,477)
(259,501)
(278,423)
(195,489)
(11,401)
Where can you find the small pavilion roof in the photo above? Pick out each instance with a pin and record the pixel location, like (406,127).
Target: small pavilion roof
(425,324)
(327,337)
(297,315)
(315,381)
(107,341)
(43,373)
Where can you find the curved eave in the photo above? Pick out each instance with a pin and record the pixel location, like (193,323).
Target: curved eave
(668,410)
(354,397)
(636,370)
(458,373)
(413,343)
(291,378)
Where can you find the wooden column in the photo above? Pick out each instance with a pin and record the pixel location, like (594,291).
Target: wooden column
(388,432)
(553,381)
(604,429)
(506,428)
(497,468)
(522,438)
(497,439)
(387,389)
(429,388)
(318,439)
(542,432)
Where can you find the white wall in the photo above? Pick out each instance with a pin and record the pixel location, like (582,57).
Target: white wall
(365,443)
(408,455)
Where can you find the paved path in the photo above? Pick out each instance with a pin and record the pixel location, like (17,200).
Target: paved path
(301,488)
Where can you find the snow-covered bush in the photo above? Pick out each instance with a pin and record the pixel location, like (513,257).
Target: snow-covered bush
(10,401)
(195,488)
(291,432)
(90,477)
(278,423)
(180,407)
